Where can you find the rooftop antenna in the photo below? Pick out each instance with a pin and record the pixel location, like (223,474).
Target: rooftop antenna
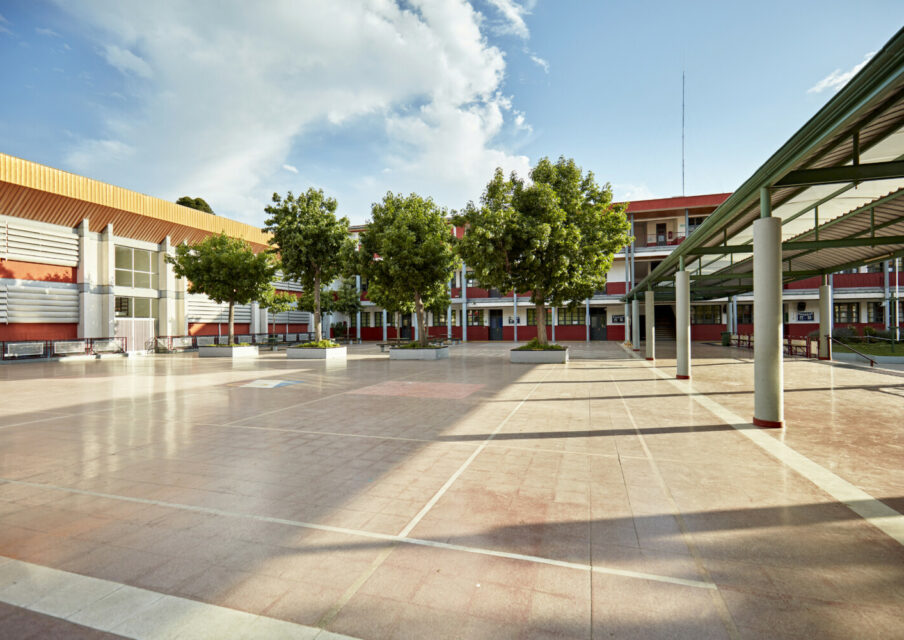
(682,132)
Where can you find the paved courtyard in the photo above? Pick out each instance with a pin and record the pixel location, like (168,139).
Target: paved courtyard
(173,497)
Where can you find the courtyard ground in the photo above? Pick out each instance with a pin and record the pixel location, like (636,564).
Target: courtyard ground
(169,496)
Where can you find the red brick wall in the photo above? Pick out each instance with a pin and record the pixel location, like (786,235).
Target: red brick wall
(38,331)
(210,328)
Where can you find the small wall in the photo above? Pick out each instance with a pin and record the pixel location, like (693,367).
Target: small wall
(615,332)
(39,331)
(15,270)
(615,288)
(707,332)
(210,328)
(571,332)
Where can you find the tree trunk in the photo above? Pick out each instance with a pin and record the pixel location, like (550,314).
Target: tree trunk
(231,322)
(541,322)
(318,332)
(421,320)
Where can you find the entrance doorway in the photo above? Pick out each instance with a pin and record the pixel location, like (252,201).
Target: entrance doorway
(405,329)
(597,323)
(660,233)
(495,324)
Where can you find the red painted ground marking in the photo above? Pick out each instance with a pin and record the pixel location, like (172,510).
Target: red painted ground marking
(400,388)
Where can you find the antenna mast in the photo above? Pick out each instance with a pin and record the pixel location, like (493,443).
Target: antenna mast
(682,132)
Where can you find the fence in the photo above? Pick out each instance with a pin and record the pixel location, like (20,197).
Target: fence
(34,349)
(173,344)
(791,346)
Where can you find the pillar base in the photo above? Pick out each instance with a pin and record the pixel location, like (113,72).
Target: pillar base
(767,424)
(681,377)
(636,350)
(825,358)
(651,359)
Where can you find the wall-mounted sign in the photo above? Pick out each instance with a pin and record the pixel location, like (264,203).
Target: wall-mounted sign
(514,320)
(805,316)
(618,319)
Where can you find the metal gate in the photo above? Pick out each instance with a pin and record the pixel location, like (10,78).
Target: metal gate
(139,333)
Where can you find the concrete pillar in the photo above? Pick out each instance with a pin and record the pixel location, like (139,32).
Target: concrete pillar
(555,321)
(767,322)
(415,329)
(464,303)
(90,302)
(106,261)
(515,306)
(171,301)
(649,306)
(627,321)
(729,317)
(254,326)
(683,323)
(384,325)
(635,324)
(825,321)
(887,306)
(587,318)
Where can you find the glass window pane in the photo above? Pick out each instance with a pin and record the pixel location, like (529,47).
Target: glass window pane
(123,278)
(142,279)
(153,281)
(123,307)
(123,258)
(142,260)
(142,307)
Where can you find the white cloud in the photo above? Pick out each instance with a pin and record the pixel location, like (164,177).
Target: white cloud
(222,96)
(41,31)
(290,168)
(839,78)
(513,18)
(126,61)
(540,62)
(631,192)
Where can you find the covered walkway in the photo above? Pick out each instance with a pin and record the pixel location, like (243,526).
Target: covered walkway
(462,498)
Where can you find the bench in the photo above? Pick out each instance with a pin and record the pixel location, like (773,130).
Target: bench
(392,343)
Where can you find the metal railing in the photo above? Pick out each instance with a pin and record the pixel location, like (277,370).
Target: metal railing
(848,346)
(42,349)
(790,346)
(175,344)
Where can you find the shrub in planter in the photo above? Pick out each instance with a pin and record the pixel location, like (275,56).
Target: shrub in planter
(317,344)
(534,345)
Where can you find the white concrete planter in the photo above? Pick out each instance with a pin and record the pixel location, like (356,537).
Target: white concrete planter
(558,356)
(312,353)
(396,353)
(227,352)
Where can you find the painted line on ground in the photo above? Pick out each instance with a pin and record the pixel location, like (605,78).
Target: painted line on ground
(134,612)
(386,537)
(877,513)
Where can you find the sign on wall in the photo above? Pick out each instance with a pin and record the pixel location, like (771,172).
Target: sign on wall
(805,316)
(618,320)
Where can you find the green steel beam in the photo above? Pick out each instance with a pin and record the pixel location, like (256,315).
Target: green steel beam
(846,173)
(806,245)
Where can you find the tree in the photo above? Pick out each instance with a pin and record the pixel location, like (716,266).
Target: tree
(195,203)
(347,300)
(277,302)
(311,242)
(226,270)
(555,237)
(407,256)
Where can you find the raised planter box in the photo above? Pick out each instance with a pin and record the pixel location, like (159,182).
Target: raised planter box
(311,353)
(228,352)
(557,356)
(845,356)
(405,353)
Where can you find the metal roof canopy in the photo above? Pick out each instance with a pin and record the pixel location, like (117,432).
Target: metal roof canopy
(837,185)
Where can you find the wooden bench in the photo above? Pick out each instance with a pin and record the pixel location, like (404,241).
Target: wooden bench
(392,343)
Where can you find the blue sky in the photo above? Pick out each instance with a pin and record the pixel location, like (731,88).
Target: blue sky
(233,101)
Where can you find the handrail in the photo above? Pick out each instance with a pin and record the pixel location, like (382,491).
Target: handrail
(872,362)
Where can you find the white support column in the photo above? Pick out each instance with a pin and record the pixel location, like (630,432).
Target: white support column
(635,324)
(768,405)
(825,320)
(414,325)
(255,326)
(649,306)
(627,321)
(555,321)
(729,317)
(384,325)
(90,307)
(683,323)
(515,306)
(464,302)
(358,315)
(106,261)
(587,318)
(449,313)
(170,309)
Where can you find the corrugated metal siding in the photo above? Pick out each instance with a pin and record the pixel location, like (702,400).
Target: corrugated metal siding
(40,245)
(34,302)
(200,308)
(292,317)
(37,192)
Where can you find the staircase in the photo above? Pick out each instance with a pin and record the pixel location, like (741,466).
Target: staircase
(665,333)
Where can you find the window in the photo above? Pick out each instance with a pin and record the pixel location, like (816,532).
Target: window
(693,223)
(706,314)
(571,316)
(745,314)
(365,318)
(846,312)
(127,307)
(378,318)
(875,312)
(135,268)
(475,317)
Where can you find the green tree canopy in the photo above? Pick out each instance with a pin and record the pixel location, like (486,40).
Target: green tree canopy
(554,237)
(276,302)
(195,203)
(347,300)
(311,241)
(225,270)
(407,256)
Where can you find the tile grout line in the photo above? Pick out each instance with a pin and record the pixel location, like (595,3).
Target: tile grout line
(716,595)
(857,500)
